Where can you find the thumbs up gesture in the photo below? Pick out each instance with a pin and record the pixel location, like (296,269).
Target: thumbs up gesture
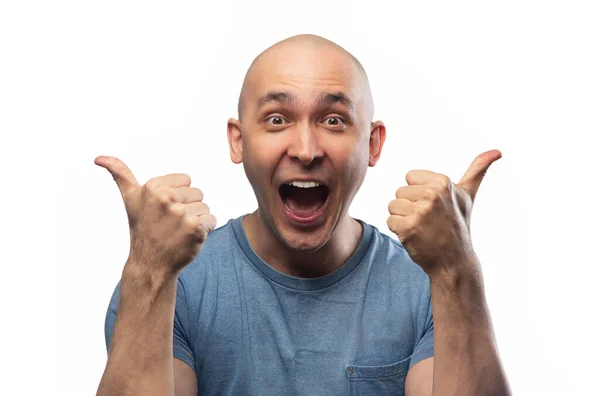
(431,215)
(168,221)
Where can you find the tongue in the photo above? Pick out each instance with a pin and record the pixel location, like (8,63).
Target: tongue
(304,202)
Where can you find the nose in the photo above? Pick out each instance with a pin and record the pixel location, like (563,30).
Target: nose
(304,146)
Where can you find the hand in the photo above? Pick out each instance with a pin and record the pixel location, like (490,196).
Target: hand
(168,221)
(431,216)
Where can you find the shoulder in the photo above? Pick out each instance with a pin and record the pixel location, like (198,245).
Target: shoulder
(213,267)
(389,250)
(215,250)
(390,260)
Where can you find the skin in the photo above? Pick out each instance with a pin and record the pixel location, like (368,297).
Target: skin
(168,225)
(304,139)
(330,142)
(431,217)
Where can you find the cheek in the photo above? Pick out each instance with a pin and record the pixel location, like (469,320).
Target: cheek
(357,168)
(343,151)
(267,147)
(351,162)
(261,156)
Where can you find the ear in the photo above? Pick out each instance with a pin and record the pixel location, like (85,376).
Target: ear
(376,141)
(234,135)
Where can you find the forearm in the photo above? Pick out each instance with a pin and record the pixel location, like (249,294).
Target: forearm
(140,359)
(465,352)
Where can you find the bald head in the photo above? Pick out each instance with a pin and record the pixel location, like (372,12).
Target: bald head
(316,54)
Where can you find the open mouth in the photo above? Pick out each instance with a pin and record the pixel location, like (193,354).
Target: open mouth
(304,201)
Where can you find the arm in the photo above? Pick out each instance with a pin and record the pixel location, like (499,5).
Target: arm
(466,357)
(168,225)
(186,383)
(431,217)
(140,359)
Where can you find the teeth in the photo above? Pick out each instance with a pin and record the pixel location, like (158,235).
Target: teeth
(304,184)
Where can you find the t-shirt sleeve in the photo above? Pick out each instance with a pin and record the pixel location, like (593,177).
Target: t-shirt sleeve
(182,345)
(424,346)
(181,337)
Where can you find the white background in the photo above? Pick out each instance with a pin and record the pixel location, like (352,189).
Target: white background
(153,83)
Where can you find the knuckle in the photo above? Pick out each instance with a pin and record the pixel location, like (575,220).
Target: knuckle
(191,222)
(431,193)
(202,227)
(153,184)
(165,197)
(411,225)
(423,209)
(160,194)
(177,209)
(444,180)
(153,187)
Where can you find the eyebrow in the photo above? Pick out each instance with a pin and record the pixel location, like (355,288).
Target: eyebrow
(338,97)
(273,96)
(286,97)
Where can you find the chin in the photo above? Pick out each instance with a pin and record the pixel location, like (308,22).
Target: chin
(305,242)
(304,239)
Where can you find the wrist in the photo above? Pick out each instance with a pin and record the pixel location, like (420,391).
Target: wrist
(147,278)
(456,272)
(459,290)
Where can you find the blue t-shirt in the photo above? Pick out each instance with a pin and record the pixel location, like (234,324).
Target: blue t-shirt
(247,329)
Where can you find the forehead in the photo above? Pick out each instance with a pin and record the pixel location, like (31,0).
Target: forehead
(307,72)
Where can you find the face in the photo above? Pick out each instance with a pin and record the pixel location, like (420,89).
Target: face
(305,141)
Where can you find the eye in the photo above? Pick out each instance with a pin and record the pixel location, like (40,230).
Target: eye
(276,120)
(336,122)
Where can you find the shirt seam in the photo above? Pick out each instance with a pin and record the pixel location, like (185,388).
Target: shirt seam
(368,248)
(186,352)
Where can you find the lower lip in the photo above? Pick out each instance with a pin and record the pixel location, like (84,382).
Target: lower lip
(305,220)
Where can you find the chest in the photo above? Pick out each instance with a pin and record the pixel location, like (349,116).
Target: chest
(257,337)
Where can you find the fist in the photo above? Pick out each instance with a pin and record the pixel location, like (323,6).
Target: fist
(431,215)
(168,221)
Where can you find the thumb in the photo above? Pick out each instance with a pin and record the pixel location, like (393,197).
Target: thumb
(120,173)
(474,175)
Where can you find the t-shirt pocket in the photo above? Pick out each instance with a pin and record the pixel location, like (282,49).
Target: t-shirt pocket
(385,380)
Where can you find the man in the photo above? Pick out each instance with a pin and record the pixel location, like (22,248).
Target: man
(299,297)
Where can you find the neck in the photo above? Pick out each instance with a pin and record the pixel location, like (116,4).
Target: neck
(332,255)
